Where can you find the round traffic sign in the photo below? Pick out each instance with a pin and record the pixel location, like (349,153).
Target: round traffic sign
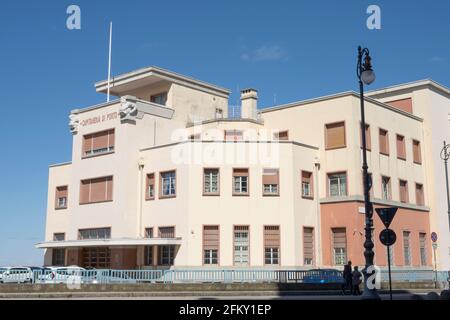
(388,237)
(434,237)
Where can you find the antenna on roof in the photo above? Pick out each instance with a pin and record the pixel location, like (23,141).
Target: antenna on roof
(109,60)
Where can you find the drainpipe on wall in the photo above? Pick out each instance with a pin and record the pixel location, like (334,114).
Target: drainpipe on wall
(317,197)
(141,172)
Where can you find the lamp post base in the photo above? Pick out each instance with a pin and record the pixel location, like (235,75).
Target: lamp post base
(370,290)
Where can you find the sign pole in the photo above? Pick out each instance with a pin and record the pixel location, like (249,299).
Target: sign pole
(389,269)
(435,268)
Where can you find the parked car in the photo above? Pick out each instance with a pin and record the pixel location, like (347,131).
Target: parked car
(56,275)
(106,276)
(2,270)
(323,276)
(17,275)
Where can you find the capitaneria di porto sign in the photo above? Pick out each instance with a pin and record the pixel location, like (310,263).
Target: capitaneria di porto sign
(99,119)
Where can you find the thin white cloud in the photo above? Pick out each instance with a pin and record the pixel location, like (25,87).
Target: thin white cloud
(264,53)
(437,59)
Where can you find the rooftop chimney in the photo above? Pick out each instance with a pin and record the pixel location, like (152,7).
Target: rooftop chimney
(249,104)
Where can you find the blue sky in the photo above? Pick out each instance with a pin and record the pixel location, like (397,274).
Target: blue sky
(289,49)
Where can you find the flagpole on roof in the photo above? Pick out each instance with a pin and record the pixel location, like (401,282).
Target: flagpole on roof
(109,60)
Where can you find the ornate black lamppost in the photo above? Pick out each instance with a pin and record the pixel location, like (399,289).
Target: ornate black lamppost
(366,76)
(445,155)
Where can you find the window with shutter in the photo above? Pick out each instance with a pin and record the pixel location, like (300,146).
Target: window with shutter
(96,190)
(281,136)
(271,182)
(240,182)
(150,187)
(417,152)
(339,246)
(423,249)
(308,246)
(406,248)
(384,142)
(211,182)
(98,143)
(404,197)
(61,197)
(271,245)
(335,136)
(211,240)
(368,137)
(307,185)
(420,201)
(166,232)
(401,149)
(241,246)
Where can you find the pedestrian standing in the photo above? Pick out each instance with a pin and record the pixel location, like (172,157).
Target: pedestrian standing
(347,275)
(356,281)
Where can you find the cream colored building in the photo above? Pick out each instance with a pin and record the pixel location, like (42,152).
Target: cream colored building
(163,178)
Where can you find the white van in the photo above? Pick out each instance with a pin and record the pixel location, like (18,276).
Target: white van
(17,275)
(55,275)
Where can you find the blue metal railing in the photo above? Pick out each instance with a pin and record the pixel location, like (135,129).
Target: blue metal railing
(79,276)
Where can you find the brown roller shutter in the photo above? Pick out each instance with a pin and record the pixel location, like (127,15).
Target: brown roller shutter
(368,138)
(335,135)
(403,191)
(271,176)
(384,142)
(240,172)
(85,191)
(339,238)
(98,190)
(401,150)
(419,195)
(211,238)
(416,152)
(109,188)
(308,244)
(112,138)
(100,140)
(87,144)
(272,236)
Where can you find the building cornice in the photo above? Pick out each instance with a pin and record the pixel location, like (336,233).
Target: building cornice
(227,120)
(60,164)
(164,75)
(108,242)
(427,83)
(295,143)
(338,96)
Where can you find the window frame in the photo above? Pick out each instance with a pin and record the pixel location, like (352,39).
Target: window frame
(212,194)
(329,184)
(327,147)
(276,135)
(368,136)
(270,194)
(148,197)
(400,193)
(399,156)
(111,149)
(57,206)
(163,93)
(419,143)
(106,190)
(109,229)
(388,150)
(422,203)
(161,185)
(237,244)
(240,194)
(265,247)
(389,198)
(311,185)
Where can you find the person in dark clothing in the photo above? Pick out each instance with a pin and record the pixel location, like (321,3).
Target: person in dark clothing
(356,281)
(347,275)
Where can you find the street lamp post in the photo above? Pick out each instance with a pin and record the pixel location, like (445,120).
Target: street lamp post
(366,76)
(445,155)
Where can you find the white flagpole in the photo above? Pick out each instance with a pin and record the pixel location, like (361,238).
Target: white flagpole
(109,62)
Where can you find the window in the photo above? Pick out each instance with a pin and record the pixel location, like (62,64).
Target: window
(150,187)
(168,184)
(160,98)
(96,190)
(384,142)
(58,257)
(339,246)
(59,236)
(94,234)
(148,233)
(61,197)
(196,136)
(308,246)
(166,232)
(420,201)
(211,181)
(241,246)
(271,245)
(417,154)
(404,191)
(240,182)
(211,240)
(166,255)
(423,249)
(148,255)
(335,135)
(386,188)
(97,258)
(271,182)
(406,248)
(98,143)
(281,136)
(368,137)
(219,113)
(401,149)
(307,185)
(337,184)
(234,135)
